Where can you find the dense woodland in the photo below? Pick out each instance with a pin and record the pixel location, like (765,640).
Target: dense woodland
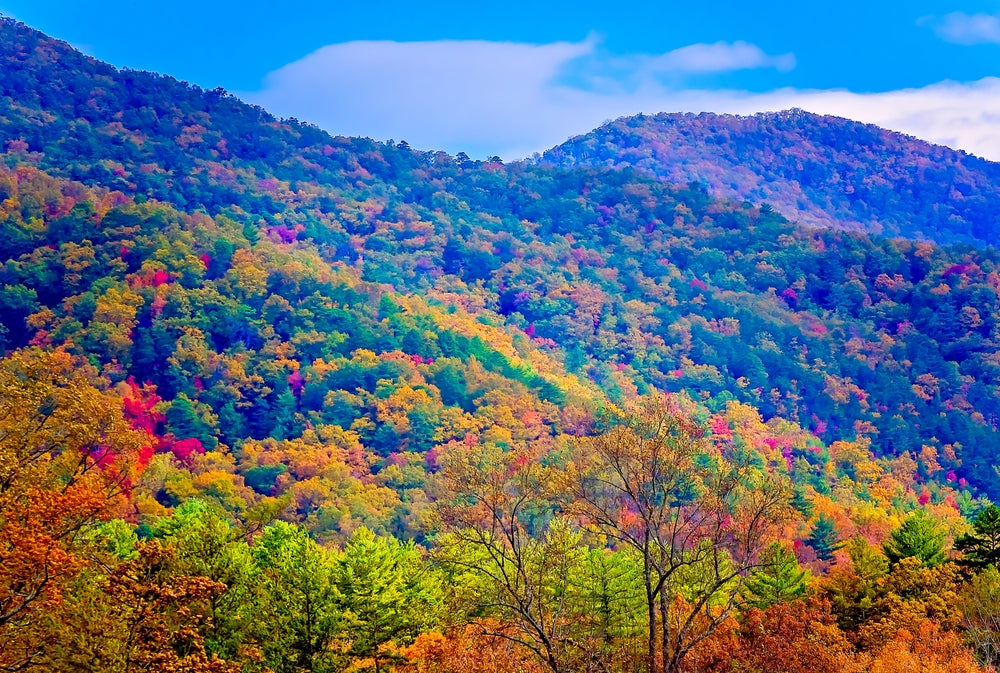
(823,171)
(274,400)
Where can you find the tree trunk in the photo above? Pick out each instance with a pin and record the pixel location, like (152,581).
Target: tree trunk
(665,632)
(651,610)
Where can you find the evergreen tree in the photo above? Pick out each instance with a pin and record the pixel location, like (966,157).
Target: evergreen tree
(300,616)
(283,412)
(855,593)
(453,256)
(450,381)
(383,439)
(921,537)
(251,233)
(387,307)
(261,418)
(185,423)
(413,343)
(779,580)
(449,345)
(386,594)
(823,538)
(802,502)
(232,425)
(982,547)
(262,477)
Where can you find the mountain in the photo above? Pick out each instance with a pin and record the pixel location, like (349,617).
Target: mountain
(817,170)
(277,400)
(621,278)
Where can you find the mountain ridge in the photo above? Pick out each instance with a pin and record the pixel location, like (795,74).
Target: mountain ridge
(816,169)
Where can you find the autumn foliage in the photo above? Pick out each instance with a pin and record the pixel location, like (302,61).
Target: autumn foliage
(469,648)
(274,400)
(68,458)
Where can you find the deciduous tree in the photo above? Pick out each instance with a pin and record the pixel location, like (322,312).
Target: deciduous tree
(67,455)
(512,564)
(697,514)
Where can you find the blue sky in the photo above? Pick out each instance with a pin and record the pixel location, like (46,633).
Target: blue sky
(517,77)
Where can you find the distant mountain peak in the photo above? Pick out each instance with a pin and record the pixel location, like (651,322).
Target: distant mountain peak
(817,169)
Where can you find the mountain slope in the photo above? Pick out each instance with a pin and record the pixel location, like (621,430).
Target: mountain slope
(151,135)
(818,170)
(606,274)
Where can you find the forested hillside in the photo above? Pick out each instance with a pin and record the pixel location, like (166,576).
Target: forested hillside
(824,171)
(278,400)
(620,276)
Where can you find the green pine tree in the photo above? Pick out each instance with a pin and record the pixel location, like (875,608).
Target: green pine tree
(802,502)
(232,425)
(299,618)
(261,418)
(981,548)
(450,381)
(387,307)
(823,538)
(283,410)
(386,595)
(184,421)
(921,537)
(780,579)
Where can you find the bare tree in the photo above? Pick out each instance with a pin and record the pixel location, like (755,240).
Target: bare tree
(697,513)
(510,556)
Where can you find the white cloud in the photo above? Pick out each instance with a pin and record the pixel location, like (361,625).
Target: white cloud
(963,28)
(717,57)
(514,99)
(959,115)
(436,95)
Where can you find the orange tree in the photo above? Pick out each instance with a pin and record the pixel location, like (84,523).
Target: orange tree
(67,456)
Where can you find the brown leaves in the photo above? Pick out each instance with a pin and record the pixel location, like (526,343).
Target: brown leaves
(475,648)
(795,637)
(927,648)
(160,616)
(139,615)
(803,637)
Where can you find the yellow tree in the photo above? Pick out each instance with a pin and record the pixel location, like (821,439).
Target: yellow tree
(67,455)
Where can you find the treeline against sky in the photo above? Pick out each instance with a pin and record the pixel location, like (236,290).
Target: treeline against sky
(275,400)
